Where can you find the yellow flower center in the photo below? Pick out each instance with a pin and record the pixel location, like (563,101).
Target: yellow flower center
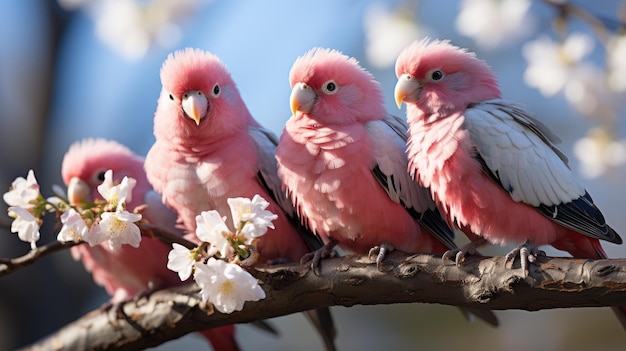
(117,226)
(113,200)
(227,287)
(73,234)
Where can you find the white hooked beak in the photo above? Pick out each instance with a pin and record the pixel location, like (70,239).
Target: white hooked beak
(302,98)
(78,191)
(195,104)
(407,89)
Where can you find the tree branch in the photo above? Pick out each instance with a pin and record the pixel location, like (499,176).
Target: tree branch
(10,265)
(482,282)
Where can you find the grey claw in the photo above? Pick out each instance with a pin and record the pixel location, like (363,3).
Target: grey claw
(528,253)
(469,248)
(380,252)
(318,255)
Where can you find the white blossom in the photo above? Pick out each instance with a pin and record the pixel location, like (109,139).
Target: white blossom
(227,286)
(74,227)
(588,91)
(617,63)
(117,195)
(211,228)
(387,33)
(551,65)
(23,192)
(598,152)
(495,22)
(25,225)
(117,228)
(54,201)
(555,67)
(132,27)
(181,260)
(251,216)
(95,235)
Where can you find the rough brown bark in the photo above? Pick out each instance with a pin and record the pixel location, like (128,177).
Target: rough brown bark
(482,282)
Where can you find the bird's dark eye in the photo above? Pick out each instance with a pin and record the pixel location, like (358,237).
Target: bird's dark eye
(330,87)
(171,97)
(98,176)
(436,75)
(216,90)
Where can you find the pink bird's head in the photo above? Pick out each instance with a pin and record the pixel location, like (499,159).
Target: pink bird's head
(86,161)
(440,78)
(198,97)
(332,88)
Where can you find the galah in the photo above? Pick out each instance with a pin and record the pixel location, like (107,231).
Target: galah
(209,148)
(342,160)
(493,168)
(127,271)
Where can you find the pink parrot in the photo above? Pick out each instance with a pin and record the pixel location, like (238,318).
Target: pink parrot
(493,169)
(342,160)
(209,148)
(128,271)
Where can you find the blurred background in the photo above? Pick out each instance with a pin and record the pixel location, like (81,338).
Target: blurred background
(71,69)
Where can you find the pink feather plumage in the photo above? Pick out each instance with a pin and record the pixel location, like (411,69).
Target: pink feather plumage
(327,153)
(209,148)
(493,169)
(342,160)
(196,167)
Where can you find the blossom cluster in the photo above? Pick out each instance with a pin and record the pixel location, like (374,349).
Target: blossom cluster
(94,223)
(215,263)
(555,67)
(223,282)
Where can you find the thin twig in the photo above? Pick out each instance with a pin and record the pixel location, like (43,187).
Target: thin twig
(8,266)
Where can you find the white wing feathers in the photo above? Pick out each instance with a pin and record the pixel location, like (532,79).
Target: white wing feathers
(521,153)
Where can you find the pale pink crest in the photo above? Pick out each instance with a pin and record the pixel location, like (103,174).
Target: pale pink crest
(467,79)
(193,69)
(89,159)
(318,66)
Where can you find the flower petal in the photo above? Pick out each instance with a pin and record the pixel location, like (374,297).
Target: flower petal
(180,260)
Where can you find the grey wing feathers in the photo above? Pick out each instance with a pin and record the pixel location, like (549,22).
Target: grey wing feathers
(159,214)
(391,171)
(266,143)
(267,175)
